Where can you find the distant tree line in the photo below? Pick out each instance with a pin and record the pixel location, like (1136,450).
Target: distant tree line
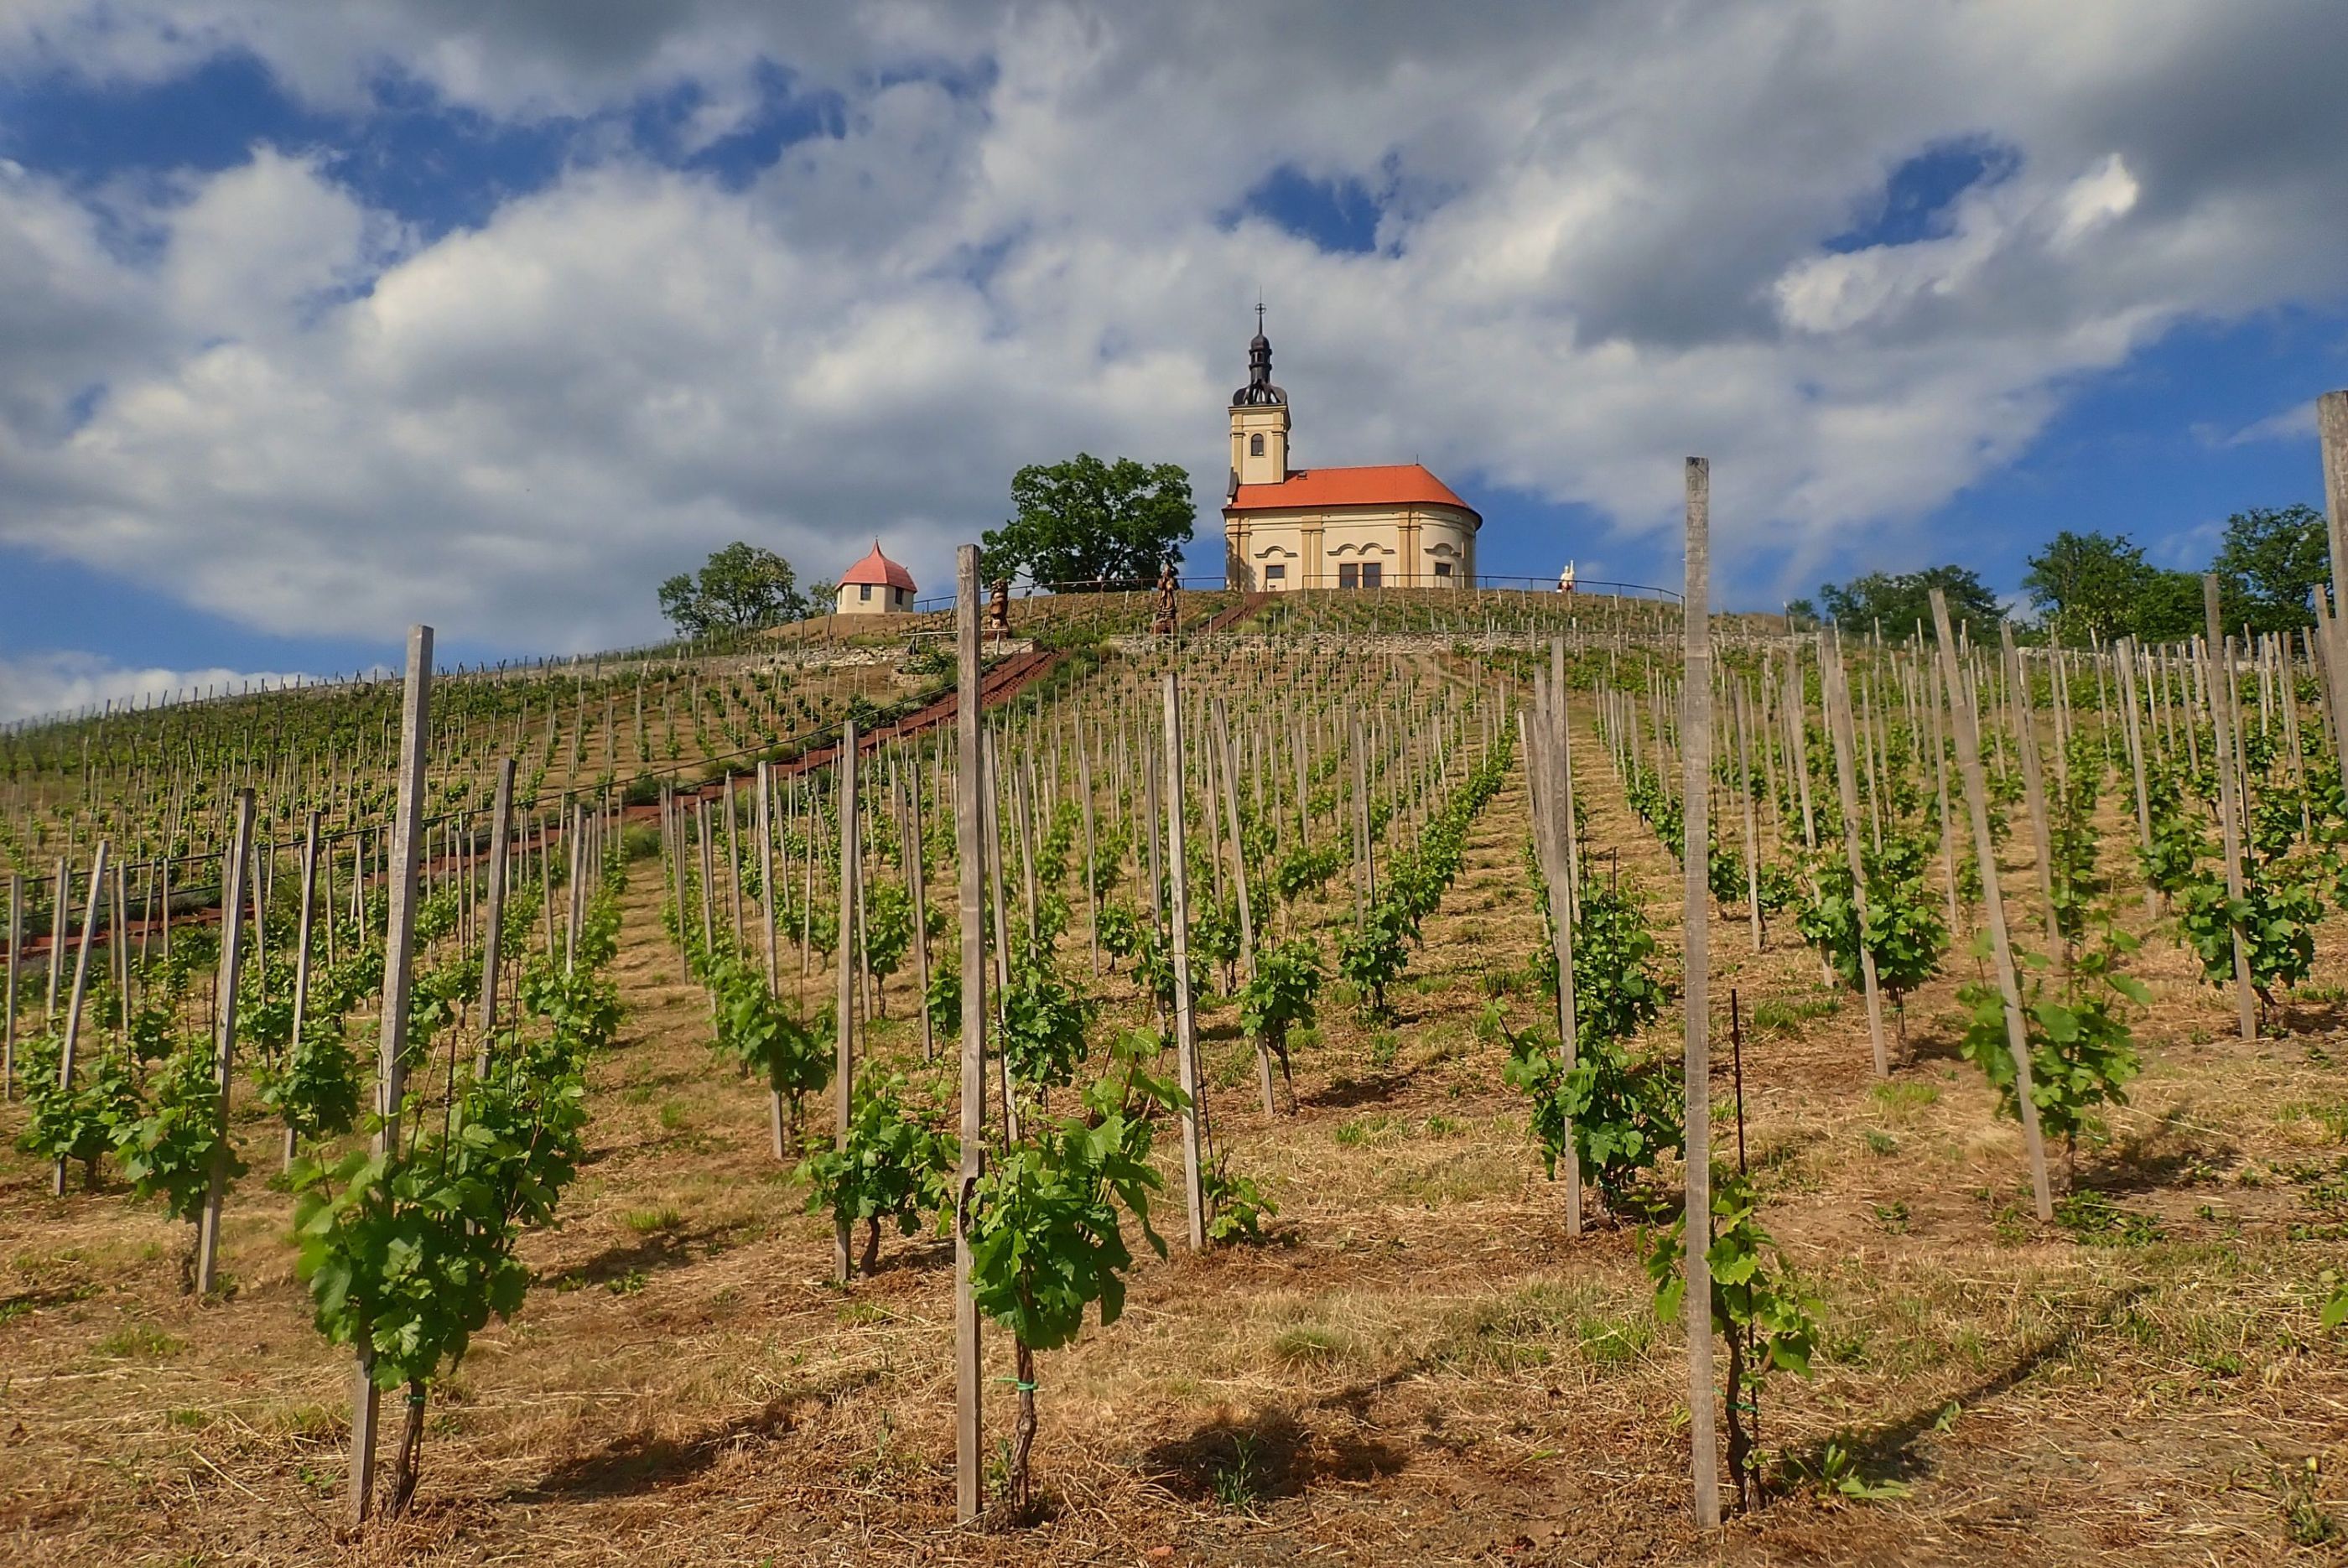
(2096,586)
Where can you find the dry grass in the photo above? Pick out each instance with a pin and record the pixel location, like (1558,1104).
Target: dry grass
(1419,1368)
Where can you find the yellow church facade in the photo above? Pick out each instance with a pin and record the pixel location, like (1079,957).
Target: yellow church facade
(1389,526)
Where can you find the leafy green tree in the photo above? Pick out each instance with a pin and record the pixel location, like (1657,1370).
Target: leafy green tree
(2168,607)
(1084,520)
(2270,565)
(1900,601)
(741,589)
(2086,584)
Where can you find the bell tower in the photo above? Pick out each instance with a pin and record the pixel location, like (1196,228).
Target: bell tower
(1259,418)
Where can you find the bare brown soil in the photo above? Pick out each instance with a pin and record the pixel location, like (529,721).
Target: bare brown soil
(1419,1368)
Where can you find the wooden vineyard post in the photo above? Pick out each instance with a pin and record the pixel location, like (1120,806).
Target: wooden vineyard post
(672,808)
(844,1001)
(917,887)
(494,939)
(1940,799)
(1185,1039)
(775,1110)
(2332,434)
(60,908)
(301,958)
(240,857)
(15,949)
(708,880)
(767,898)
(2229,817)
(1834,695)
(1540,768)
(1964,724)
(1563,768)
(575,902)
(1752,828)
(1092,855)
(969,1459)
(59,912)
(2125,651)
(398,974)
(2034,786)
(1229,756)
(1695,784)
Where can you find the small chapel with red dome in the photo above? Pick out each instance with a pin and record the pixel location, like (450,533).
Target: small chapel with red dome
(876,585)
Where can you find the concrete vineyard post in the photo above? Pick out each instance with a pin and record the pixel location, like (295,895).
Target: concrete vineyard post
(1964,722)
(224,1048)
(1695,780)
(398,977)
(969,1459)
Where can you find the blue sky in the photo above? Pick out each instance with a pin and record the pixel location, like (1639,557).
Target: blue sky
(320,328)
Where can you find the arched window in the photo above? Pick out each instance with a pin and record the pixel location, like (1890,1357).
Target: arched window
(1255,445)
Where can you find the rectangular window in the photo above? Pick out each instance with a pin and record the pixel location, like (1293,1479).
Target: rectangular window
(864,592)
(1275,573)
(1372,571)
(1443,569)
(1349,575)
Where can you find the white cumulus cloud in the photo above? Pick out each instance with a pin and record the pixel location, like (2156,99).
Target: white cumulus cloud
(1600,245)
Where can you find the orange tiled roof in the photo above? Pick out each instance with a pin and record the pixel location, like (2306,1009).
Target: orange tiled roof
(878,569)
(1389,484)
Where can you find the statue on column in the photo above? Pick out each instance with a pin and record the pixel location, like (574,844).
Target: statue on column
(1169,585)
(998,609)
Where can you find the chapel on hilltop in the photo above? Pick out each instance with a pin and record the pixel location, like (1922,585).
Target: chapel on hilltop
(876,585)
(1389,526)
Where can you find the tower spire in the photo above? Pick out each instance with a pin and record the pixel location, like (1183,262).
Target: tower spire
(1258,392)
